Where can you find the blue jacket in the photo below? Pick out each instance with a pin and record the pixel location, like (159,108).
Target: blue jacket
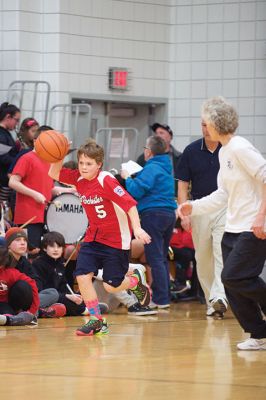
(154,186)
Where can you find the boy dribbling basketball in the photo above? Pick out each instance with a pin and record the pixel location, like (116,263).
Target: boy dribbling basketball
(111,212)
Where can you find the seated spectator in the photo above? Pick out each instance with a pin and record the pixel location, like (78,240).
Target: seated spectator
(50,273)
(17,242)
(185,286)
(182,252)
(137,255)
(19,300)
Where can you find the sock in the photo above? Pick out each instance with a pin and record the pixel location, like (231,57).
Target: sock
(133,281)
(93,308)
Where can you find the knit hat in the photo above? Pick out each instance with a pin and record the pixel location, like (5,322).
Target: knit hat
(14,233)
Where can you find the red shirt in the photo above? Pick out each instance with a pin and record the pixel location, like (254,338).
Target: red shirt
(9,276)
(106,204)
(181,239)
(34,174)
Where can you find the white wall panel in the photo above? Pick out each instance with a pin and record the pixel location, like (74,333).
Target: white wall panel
(184,50)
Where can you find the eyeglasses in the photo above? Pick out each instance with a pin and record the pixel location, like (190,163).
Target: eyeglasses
(16,119)
(145,147)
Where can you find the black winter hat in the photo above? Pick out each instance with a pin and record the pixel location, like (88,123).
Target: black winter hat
(163,126)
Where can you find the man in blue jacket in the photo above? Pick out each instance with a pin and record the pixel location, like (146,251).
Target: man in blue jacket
(153,188)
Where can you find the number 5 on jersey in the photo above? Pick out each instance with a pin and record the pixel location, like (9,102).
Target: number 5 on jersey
(101,213)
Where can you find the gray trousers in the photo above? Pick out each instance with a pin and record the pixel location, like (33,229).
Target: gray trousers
(48,297)
(207,233)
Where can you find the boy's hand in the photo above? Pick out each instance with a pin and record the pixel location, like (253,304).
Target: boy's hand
(76,298)
(140,234)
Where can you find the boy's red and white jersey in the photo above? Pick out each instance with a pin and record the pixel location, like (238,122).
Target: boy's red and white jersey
(106,204)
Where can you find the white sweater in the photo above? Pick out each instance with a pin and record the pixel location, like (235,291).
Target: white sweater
(240,185)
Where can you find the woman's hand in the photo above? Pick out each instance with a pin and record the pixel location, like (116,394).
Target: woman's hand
(184,210)
(258,226)
(186,223)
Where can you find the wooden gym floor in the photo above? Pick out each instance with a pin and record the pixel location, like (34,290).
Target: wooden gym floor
(175,355)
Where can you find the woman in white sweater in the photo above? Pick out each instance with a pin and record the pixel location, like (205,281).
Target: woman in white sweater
(242,187)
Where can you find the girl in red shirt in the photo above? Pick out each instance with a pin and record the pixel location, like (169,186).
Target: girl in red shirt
(19,300)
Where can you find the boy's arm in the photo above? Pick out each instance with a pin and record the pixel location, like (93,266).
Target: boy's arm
(139,233)
(16,184)
(55,169)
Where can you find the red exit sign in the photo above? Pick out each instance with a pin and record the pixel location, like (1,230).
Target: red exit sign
(118,78)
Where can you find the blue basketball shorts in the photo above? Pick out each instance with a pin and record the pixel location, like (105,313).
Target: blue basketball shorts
(94,256)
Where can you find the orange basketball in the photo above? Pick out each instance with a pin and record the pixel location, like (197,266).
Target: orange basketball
(51,146)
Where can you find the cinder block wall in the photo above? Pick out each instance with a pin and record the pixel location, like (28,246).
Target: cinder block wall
(184,50)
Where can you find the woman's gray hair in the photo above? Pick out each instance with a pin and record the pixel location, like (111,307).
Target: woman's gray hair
(221,114)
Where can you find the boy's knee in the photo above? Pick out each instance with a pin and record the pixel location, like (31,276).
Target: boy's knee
(110,287)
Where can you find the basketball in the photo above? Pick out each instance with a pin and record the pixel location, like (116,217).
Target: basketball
(51,146)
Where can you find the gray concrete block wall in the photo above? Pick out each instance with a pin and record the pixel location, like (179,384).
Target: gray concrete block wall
(181,50)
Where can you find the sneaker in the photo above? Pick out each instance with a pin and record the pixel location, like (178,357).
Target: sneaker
(92,327)
(56,310)
(220,306)
(214,314)
(210,311)
(105,328)
(142,271)
(3,320)
(141,291)
(153,305)
(137,309)
(176,287)
(252,344)
(21,319)
(34,320)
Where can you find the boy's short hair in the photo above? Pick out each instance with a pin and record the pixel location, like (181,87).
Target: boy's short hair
(157,145)
(50,238)
(92,150)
